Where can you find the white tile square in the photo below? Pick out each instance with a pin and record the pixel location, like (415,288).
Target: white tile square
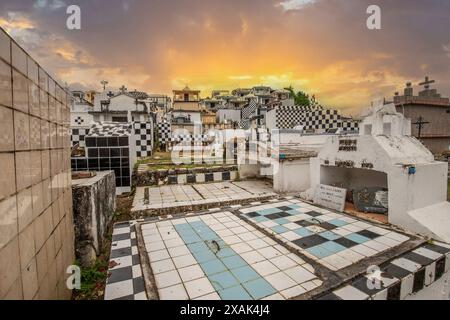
(350,293)
(252,257)
(257,244)
(291,236)
(293,292)
(198,288)
(269,252)
(231,240)
(158,255)
(118,289)
(178,251)
(162,266)
(283,262)
(184,261)
(191,273)
(154,246)
(136,271)
(121,262)
(121,244)
(167,279)
(280,281)
(265,268)
(365,251)
(299,274)
(241,248)
(210,296)
(174,243)
(176,292)
(351,255)
(247,236)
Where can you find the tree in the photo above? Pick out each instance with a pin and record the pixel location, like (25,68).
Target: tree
(300,98)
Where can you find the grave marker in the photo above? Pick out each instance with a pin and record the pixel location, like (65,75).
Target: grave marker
(330,197)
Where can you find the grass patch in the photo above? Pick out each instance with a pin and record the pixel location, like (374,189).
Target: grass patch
(93,280)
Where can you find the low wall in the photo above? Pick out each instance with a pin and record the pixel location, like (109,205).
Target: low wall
(94,203)
(186,176)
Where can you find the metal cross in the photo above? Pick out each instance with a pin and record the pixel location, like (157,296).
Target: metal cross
(420,123)
(427,83)
(123,88)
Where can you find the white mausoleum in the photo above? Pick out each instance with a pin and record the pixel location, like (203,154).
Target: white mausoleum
(385,155)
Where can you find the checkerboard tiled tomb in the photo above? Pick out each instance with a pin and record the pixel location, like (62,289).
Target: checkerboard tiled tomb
(143,133)
(331,239)
(404,276)
(77,136)
(311,118)
(36,229)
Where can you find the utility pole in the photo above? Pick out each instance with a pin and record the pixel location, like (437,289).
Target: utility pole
(420,124)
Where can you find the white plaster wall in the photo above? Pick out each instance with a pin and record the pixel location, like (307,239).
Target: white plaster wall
(88,119)
(292,176)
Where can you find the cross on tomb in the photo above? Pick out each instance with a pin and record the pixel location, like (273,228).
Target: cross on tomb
(123,89)
(420,123)
(427,83)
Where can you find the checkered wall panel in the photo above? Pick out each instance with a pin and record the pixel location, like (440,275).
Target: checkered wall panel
(315,118)
(77,135)
(144,138)
(164,133)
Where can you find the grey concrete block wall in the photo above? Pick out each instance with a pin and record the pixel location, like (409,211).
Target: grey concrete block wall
(94,203)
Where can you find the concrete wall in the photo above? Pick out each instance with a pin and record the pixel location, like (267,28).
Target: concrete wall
(36,228)
(94,204)
(292,176)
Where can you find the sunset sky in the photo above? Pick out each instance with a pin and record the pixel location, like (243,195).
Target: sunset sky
(320,46)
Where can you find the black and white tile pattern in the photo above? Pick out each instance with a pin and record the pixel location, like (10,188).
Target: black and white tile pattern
(399,278)
(202,177)
(143,138)
(77,136)
(125,280)
(312,118)
(164,134)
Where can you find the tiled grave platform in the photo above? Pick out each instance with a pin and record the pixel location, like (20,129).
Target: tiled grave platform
(333,240)
(219,256)
(229,253)
(198,196)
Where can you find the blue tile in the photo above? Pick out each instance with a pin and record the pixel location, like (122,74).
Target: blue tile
(223,280)
(234,262)
(198,224)
(319,252)
(183,226)
(337,222)
(279,229)
(357,238)
(293,212)
(260,219)
(208,236)
(259,288)
(204,256)
(212,267)
(333,246)
(329,235)
(244,274)
(191,238)
(281,221)
(234,293)
(294,206)
(198,247)
(225,252)
(265,212)
(303,232)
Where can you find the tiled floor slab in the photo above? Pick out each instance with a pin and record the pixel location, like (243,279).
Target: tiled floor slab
(336,241)
(244,265)
(199,194)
